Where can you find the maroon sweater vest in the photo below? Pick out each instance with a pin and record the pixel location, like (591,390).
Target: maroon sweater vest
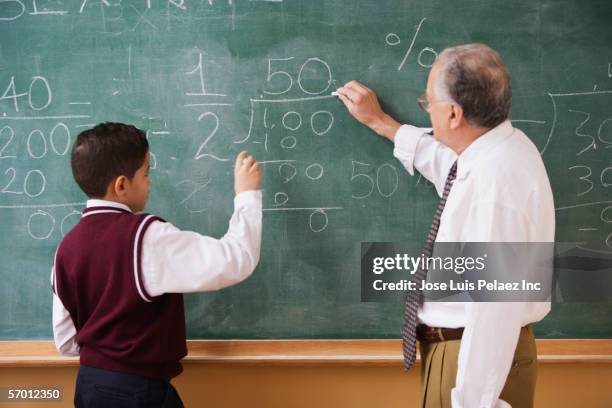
(120,327)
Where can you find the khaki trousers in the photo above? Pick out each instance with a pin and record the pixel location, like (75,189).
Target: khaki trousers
(439,370)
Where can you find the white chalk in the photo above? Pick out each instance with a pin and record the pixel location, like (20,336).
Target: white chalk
(335,93)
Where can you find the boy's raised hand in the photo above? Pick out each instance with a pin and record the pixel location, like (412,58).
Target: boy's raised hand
(247,175)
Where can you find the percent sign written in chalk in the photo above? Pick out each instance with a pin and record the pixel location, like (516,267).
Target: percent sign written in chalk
(393,39)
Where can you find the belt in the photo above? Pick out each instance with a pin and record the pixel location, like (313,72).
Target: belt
(428,334)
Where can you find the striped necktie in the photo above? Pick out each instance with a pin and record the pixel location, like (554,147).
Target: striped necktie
(414,297)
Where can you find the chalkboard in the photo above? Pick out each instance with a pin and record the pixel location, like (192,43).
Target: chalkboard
(207,79)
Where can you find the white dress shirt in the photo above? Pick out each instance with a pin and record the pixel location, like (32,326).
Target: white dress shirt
(175,261)
(501,194)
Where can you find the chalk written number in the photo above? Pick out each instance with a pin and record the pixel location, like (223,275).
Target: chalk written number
(30,187)
(586,177)
(38,82)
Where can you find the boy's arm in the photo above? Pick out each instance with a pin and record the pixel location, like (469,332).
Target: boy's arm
(175,261)
(64,332)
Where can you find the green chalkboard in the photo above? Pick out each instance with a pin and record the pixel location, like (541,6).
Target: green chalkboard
(210,78)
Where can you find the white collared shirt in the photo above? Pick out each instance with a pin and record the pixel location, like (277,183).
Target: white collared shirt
(175,261)
(501,194)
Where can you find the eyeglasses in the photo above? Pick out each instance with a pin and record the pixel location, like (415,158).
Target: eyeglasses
(424,103)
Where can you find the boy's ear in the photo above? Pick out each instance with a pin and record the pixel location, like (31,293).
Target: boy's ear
(120,185)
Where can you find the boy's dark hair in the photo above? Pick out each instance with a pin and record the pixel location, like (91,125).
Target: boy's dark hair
(105,152)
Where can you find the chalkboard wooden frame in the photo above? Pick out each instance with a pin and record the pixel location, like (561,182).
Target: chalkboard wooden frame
(303,352)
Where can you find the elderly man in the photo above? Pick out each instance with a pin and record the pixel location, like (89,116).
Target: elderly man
(493,188)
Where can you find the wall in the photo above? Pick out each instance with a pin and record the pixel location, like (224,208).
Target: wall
(585,385)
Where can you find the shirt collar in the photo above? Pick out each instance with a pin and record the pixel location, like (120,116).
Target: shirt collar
(479,147)
(106,203)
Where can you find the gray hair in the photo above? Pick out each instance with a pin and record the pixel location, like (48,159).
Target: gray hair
(474,77)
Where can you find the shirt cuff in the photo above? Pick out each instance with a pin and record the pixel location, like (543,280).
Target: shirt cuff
(250,198)
(457,401)
(406,141)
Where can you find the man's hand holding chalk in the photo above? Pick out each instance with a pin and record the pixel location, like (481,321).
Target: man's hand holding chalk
(362,103)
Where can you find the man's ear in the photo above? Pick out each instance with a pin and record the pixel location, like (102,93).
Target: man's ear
(456,116)
(120,185)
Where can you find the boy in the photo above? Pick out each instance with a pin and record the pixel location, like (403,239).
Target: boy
(118,276)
